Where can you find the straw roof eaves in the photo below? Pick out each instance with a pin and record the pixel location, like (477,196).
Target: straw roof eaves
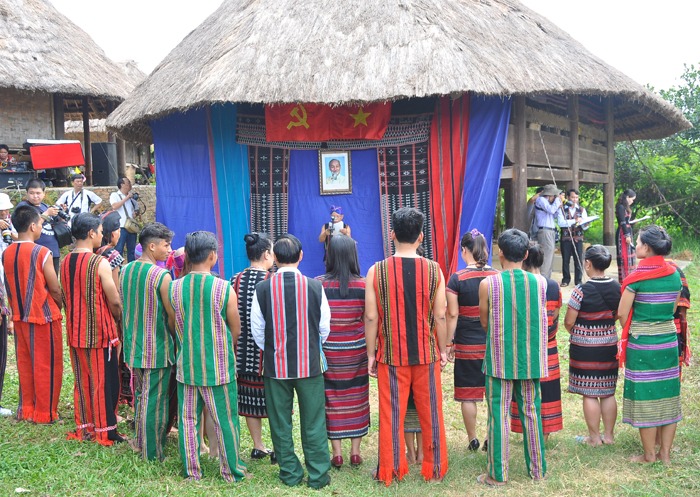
(43,51)
(283,51)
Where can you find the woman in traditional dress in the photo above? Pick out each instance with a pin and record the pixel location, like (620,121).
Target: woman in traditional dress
(649,346)
(251,390)
(593,366)
(465,336)
(626,259)
(549,386)
(347,378)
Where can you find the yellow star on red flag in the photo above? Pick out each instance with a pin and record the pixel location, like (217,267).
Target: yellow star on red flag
(360,117)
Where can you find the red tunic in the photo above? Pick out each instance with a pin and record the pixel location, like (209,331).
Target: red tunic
(406,289)
(27,292)
(89,322)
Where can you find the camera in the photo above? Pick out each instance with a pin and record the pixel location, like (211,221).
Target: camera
(568,203)
(75,210)
(135,196)
(7,236)
(62,214)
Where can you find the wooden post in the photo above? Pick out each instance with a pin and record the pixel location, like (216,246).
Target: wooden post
(121,157)
(518,197)
(87,145)
(609,187)
(59,126)
(573,139)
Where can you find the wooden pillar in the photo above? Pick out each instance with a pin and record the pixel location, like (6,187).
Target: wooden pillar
(121,157)
(87,144)
(609,187)
(518,196)
(59,126)
(573,139)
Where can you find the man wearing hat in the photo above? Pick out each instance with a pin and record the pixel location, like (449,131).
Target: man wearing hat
(547,208)
(78,199)
(336,226)
(5,324)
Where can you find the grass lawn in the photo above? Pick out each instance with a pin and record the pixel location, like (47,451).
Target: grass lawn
(40,460)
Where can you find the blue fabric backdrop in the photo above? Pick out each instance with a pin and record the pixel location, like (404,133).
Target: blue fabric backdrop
(488,131)
(184,199)
(233,188)
(308,210)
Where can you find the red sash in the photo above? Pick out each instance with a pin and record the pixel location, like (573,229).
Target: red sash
(663,269)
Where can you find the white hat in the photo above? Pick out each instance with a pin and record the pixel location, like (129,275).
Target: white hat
(5,203)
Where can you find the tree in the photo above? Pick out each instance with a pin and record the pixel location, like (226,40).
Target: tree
(665,173)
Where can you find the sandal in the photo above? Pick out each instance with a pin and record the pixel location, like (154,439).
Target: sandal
(485,447)
(474,444)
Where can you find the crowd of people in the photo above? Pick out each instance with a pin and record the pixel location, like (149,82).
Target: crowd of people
(202,351)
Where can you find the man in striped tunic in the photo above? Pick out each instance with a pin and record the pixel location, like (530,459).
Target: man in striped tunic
(513,311)
(207,325)
(92,305)
(34,296)
(290,318)
(149,350)
(406,333)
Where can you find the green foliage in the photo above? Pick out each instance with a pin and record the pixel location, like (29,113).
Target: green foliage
(668,167)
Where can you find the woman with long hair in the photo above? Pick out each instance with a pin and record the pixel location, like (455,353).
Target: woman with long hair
(251,390)
(550,386)
(347,378)
(593,368)
(626,258)
(649,346)
(466,338)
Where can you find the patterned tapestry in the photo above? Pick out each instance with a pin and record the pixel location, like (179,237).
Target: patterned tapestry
(404,181)
(269,182)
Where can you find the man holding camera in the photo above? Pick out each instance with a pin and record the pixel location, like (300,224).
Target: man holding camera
(336,226)
(35,198)
(124,202)
(571,239)
(78,199)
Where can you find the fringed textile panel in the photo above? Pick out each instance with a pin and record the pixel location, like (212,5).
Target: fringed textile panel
(404,181)
(402,130)
(269,181)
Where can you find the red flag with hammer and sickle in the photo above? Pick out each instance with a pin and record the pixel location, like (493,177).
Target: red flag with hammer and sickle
(318,122)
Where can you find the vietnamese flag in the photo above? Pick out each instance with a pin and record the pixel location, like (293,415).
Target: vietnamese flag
(318,122)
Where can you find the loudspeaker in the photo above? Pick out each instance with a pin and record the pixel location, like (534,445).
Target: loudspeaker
(104,164)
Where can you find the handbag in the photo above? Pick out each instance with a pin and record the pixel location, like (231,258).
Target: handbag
(62,233)
(131,225)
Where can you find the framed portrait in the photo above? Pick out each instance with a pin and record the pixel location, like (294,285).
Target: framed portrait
(334,172)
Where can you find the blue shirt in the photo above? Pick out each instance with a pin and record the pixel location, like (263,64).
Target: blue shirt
(48,237)
(546,213)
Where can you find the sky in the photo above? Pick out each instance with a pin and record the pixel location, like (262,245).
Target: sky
(648,40)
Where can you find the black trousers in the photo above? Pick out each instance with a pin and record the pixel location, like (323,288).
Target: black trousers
(567,252)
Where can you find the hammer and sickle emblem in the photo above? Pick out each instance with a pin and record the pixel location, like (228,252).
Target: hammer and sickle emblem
(300,119)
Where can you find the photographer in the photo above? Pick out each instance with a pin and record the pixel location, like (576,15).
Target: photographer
(49,215)
(571,239)
(124,202)
(78,200)
(336,226)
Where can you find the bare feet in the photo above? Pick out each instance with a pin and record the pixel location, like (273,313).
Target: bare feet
(411,458)
(608,439)
(485,479)
(665,459)
(643,459)
(593,442)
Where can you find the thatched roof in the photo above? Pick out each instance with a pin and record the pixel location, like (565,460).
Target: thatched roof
(42,50)
(270,51)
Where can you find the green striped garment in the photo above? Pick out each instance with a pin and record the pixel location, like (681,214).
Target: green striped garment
(147,342)
(516,337)
(205,355)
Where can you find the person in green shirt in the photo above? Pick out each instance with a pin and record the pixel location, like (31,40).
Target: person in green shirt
(149,347)
(207,325)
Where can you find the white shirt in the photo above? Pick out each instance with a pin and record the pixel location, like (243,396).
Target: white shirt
(257,320)
(82,199)
(565,223)
(126,210)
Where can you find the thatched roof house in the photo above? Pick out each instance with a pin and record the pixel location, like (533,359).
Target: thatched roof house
(43,51)
(330,52)
(52,71)
(541,108)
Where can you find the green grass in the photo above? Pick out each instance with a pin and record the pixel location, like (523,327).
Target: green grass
(39,458)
